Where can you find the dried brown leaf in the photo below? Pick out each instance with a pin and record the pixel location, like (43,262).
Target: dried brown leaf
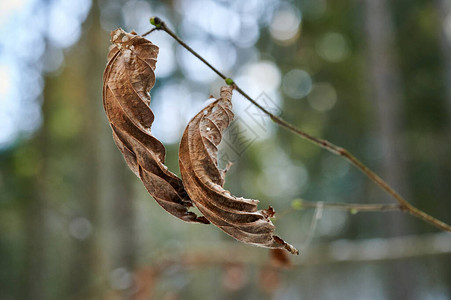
(128,78)
(204,181)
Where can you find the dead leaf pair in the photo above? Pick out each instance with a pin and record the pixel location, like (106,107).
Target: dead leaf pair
(128,78)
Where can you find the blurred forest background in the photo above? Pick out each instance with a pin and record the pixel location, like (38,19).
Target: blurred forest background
(373,76)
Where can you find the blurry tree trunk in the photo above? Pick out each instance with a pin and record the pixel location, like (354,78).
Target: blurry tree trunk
(123,214)
(36,230)
(387,96)
(444,12)
(108,202)
(87,275)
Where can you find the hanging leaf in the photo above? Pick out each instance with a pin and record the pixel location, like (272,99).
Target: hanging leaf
(204,181)
(128,78)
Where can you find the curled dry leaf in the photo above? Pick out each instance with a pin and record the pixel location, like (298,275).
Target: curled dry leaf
(128,78)
(204,181)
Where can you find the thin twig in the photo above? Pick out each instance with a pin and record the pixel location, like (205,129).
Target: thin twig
(150,31)
(404,205)
(351,207)
(357,207)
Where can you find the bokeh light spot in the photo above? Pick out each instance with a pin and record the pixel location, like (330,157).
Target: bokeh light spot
(80,228)
(285,23)
(322,97)
(266,74)
(297,83)
(333,47)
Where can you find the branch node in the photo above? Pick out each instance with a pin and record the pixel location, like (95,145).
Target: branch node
(403,207)
(229,81)
(296,204)
(342,151)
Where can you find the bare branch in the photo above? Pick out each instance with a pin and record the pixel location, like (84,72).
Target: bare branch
(352,207)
